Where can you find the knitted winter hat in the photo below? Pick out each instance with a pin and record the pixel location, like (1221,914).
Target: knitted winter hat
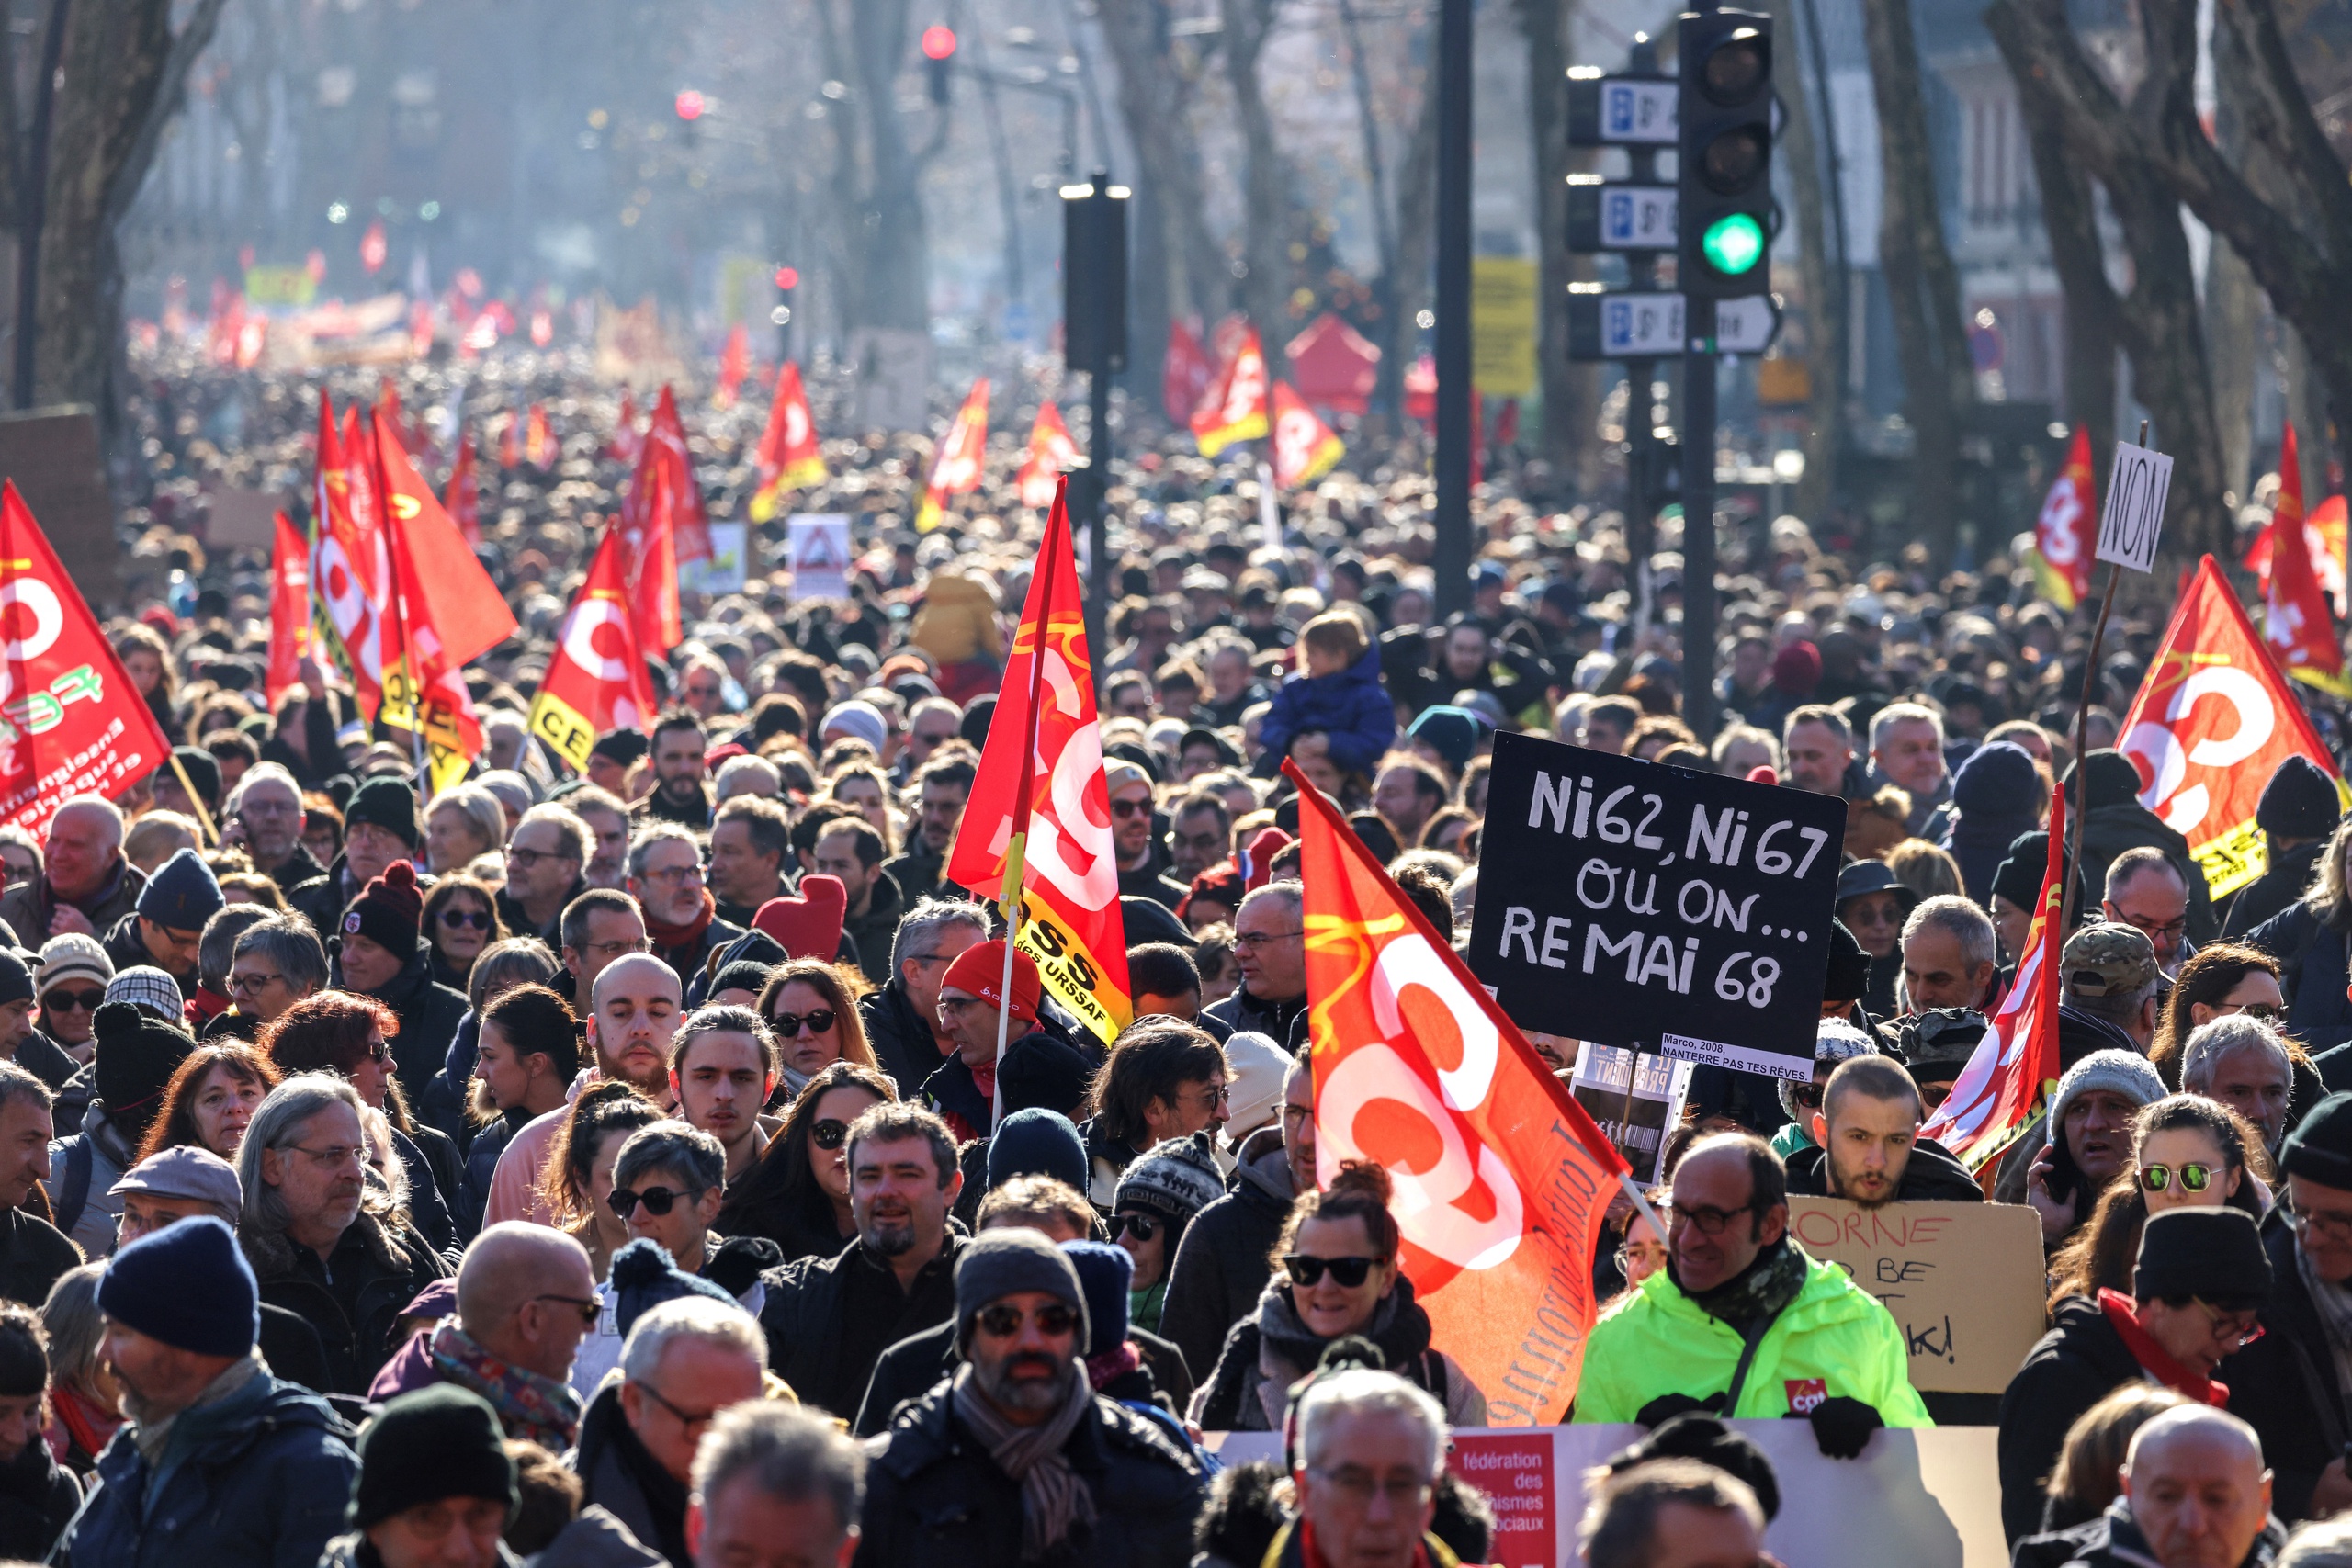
(144,985)
(1256,1067)
(1175,1182)
(1000,1263)
(1106,1273)
(183,893)
(2120,1071)
(389,912)
(187,1285)
(441,1441)
(1996,780)
(387,803)
(1836,1041)
(136,1056)
(1037,1141)
(2214,1255)
(978,971)
(644,1277)
(73,956)
(2300,801)
(2320,1148)
(203,771)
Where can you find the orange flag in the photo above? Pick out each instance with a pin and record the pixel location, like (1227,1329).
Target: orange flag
(790,458)
(1055,850)
(290,610)
(464,498)
(734,364)
(2063,533)
(689,524)
(955,470)
(538,440)
(1051,453)
(2211,724)
(597,679)
(1501,1177)
(1235,407)
(2010,1074)
(1305,447)
(2296,622)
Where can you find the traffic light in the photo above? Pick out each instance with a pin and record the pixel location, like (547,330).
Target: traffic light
(1726,212)
(938,52)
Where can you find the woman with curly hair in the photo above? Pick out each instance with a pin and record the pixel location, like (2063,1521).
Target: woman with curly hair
(210,1101)
(798,1194)
(577,1180)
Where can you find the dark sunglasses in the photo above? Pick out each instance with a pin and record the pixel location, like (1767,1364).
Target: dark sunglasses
(2193,1177)
(588,1310)
(478,918)
(1346,1272)
(657,1200)
(1131,809)
(380,1053)
(1807,1094)
(1144,1226)
(1003,1320)
(788,1024)
(828,1134)
(72,1001)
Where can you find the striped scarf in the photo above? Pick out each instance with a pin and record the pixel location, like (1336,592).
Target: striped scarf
(1054,1500)
(531,1407)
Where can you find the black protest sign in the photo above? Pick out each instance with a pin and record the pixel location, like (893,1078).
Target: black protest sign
(1628,903)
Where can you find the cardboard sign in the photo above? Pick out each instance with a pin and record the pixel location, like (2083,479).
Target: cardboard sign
(1638,1129)
(1964,1280)
(1656,907)
(2136,488)
(723,573)
(819,555)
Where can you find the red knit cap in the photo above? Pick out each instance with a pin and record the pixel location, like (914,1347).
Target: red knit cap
(980,973)
(389,912)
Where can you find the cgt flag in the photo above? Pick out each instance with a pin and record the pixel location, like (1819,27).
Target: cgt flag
(1061,858)
(2010,1076)
(1502,1177)
(1235,406)
(1185,378)
(463,498)
(1305,447)
(2211,724)
(790,456)
(1051,452)
(2061,535)
(665,438)
(71,722)
(956,468)
(597,680)
(291,633)
(2295,619)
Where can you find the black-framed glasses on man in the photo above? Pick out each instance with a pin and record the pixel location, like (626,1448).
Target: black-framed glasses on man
(1252,940)
(590,1310)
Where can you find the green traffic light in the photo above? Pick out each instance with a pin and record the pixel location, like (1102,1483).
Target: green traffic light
(1734,245)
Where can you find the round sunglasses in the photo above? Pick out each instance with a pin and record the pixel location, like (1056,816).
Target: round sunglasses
(1346,1272)
(788,1024)
(72,1001)
(828,1134)
(2194,1178)
(477,919)
(658,1201)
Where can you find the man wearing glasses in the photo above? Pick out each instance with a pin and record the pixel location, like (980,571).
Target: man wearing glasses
(1369,1450)
(1134,844)
(2197,1290)
(1016,1457)
(1270,946)
(680,916)
(546,860)
(2147,892)
(2293,1384)
(1742,1324)
(683,1363)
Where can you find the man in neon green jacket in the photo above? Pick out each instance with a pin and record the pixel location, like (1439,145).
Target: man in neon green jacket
(1738,1303)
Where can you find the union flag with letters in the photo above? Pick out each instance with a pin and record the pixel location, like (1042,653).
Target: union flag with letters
(596,680)
(2063,534)
(956,470)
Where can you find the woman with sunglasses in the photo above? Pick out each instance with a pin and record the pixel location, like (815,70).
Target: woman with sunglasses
(577,1180)
(812,1007)
(2187,1152)
(460,919)
(798,1195)
(1157,1198)
(1336,1272)
(2220,981)
(73,976)
(349,1036)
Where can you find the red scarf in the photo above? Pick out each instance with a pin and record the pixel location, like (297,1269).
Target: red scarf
(2122,1313)
(669,938)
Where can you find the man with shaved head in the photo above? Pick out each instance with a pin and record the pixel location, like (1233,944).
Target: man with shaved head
(85,884)
(2196,1495)
(526,1296)
(1866,1143)
(634,1012)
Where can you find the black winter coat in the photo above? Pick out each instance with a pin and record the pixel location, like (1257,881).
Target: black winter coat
(2114,1539)
(1221,1267)
(38,1500)
(2284,1383)
(2268,896)
(802,1317)
(619,1476)
(1242,1011)
(1929,1176)
(934,1499)
(430,1014)
(902,1041)
(2079,1362)
(34,1255)
(378,1268)
(917,1364)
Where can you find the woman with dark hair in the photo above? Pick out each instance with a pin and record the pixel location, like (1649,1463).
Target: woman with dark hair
(1338,1272)
(2187,1151)
(798,1195)
(210,1099)
(528,1053)
(813,1010)
(350,1036)
(460,919)
(577,1180)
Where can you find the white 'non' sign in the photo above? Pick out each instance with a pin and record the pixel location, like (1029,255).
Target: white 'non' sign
(2136,488)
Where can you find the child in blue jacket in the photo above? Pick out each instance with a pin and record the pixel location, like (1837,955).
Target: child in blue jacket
(1338,693)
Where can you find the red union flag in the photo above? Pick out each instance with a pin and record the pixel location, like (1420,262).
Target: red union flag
(1185,376)
(350,579)
(289,611)
(789,456)
(956,469)
(2009,1076)
(2211,724)
(1502,1177)
(71,722)
(1235,408)
(464,501)
(1051,452)
(597,680)
(2061,535)
(689,524)
(2295,619)
(1056,846)
(1305,447)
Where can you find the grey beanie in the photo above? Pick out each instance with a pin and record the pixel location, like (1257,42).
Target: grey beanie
(1834,1041)
(2123,1072)
(1003,1262)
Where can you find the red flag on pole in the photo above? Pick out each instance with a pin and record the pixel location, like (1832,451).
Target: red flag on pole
(2296,622)
(734,364)
(1502,1177)
(597,680)
(627,441)
(464,500)
(790,458)
(1305,447)
(689,524)
(2009,1078)
(649,555)
(1234,408)
(1066,867)
(1185,378)
(290,610)
(348,575)
(2063,533)
(1051,454)
(956,467)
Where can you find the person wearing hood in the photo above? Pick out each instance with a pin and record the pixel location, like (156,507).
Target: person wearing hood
(379,955)
(2300,808)
(2311,938)
(1219,1268)
(1866,1145)
(1336,692)
(137,1055)
(2114,821)
(2085,1140)
(165,928)
(1997,795)
(2200,1281)
(1341,1276)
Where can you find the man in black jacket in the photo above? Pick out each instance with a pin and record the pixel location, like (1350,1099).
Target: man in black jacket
(1866,1143)
(1270,946)
(378,954)
(903,1017)
(829,1319)
(33,1253)
(1017,1459)
(1222,1265)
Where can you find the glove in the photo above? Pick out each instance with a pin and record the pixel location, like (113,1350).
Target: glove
(1667,1406)
(1842,1426)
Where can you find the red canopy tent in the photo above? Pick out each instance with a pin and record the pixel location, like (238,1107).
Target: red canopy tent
(1333,365)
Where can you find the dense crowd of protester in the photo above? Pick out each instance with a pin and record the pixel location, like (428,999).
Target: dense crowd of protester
(544,1169)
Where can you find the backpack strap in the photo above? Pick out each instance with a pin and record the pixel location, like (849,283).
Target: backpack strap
(73,1194)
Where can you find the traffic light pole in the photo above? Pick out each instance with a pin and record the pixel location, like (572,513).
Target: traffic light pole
(1453,433)
(1098,504)
(1699,516)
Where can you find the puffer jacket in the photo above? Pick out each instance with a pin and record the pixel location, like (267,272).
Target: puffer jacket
(1272,1350)
(1221,1264)
(1351,707)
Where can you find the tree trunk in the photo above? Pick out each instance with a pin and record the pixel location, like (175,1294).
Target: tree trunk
(892,287)
(1566,387)
(2233,314)
(1266,222)
(1824,315)
(1939,382)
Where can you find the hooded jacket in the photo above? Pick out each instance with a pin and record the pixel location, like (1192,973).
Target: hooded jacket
(1656,1340)
(2317,969)
(1931,1175)
(2268,896)
(1353,707)
(92,1160)
(1272,1349)
(1221,1267)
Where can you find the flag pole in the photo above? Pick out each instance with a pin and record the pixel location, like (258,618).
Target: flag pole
(1017,845)
(2070,904)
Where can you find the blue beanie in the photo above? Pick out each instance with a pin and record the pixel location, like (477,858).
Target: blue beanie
(187,1285)
(183,893)
(1106,1273)
(1452,732)
(1998,780)
(1037,1141)
(644,1277)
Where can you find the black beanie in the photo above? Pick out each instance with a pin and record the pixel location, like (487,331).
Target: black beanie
(135,1057)
(2320,1148)
(442,1441)
(389,912)
(2111,779)
(1848,978)
(389,804)
(2212,1254)
(203,772)
(2300,801)
(2019,877)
